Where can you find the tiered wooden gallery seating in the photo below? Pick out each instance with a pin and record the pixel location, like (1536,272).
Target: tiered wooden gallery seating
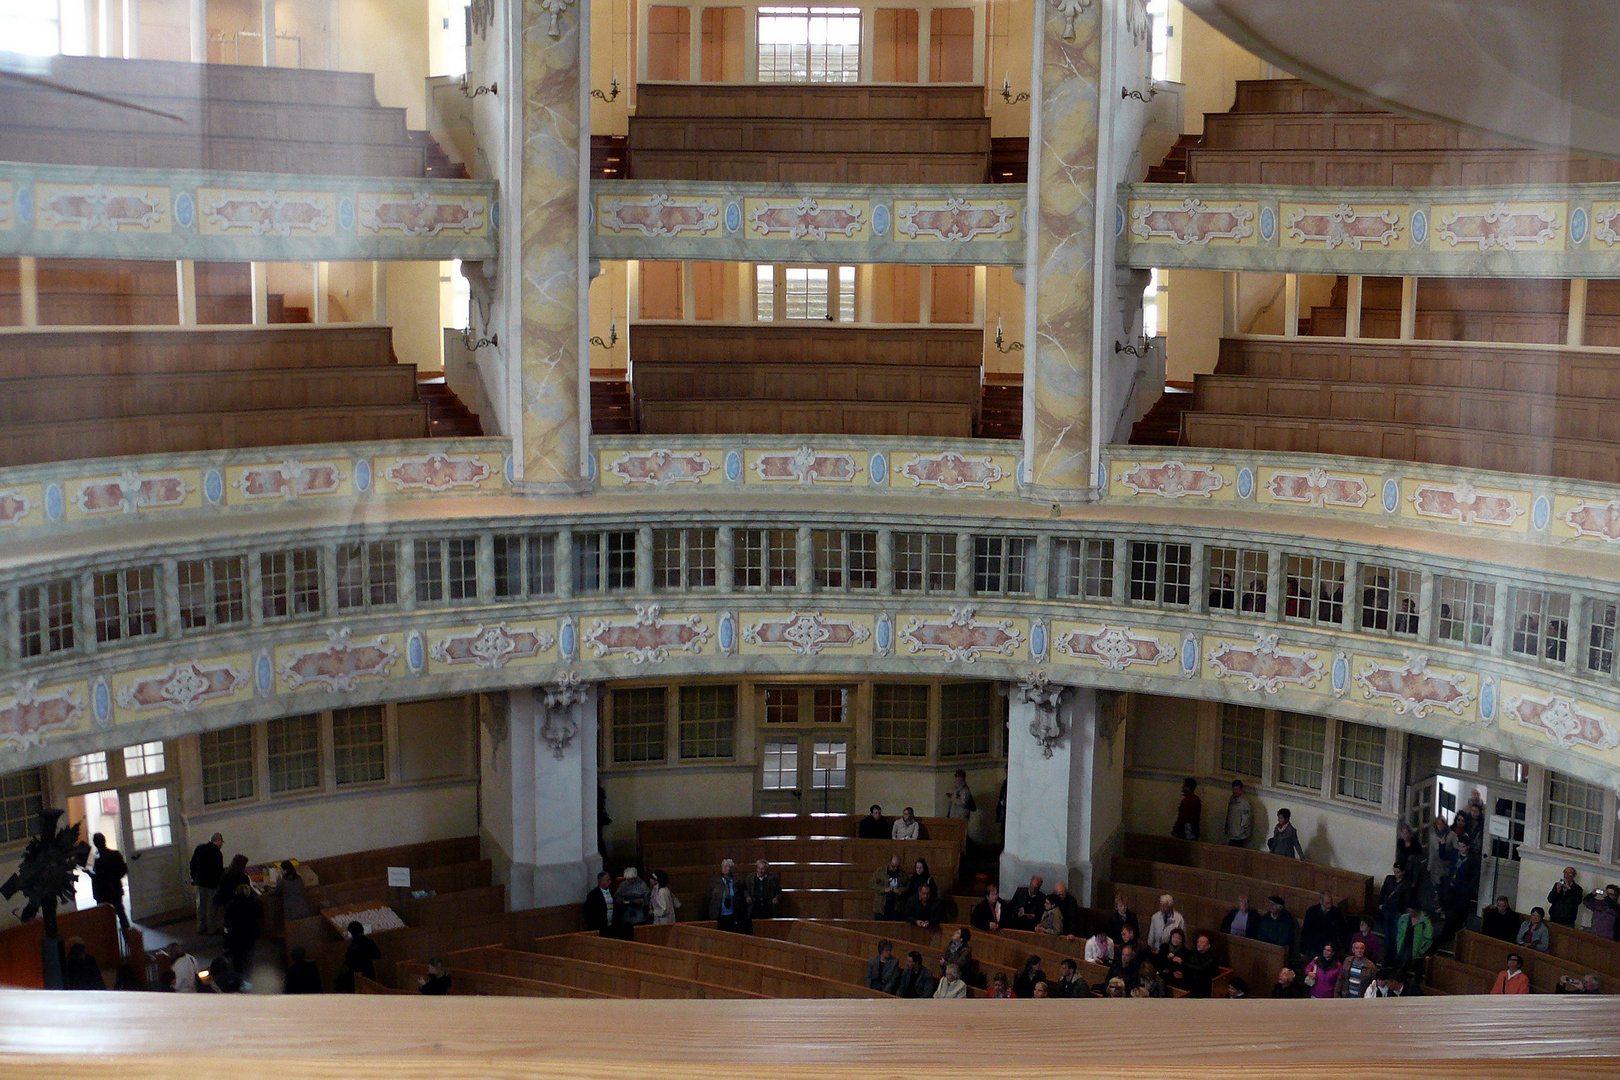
(1518,409)
(237,118)
(105,292)
(764,379)
(1286,131)
(20,955)
(839,134)
(1574,953)
(107,392)
(826,872)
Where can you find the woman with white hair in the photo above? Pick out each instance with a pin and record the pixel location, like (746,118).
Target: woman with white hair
(633,898)
(1166,919)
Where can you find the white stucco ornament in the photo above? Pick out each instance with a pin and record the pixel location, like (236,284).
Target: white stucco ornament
(559,700)
(554,10)
(1047,727)
(1070,10)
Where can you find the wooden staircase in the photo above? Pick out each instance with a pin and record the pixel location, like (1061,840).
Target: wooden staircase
(1173,169)
(611,410)
(610,157)
(436,164)
(1001,410)
(1162,424)
(447,416)
(1009,161)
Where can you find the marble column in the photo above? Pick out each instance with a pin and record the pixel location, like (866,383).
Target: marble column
(552,841)
(1063,788)
(554,250)
(1060,256)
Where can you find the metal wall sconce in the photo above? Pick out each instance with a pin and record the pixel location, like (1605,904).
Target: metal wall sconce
(469,91)
(1017,346)
(1135,349)
(612,338)
(473,343)
(613,91)
(1007,94)
(1127,92)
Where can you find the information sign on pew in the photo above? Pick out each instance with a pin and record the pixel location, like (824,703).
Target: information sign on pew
(399,877)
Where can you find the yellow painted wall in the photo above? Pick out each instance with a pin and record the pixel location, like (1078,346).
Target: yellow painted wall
(388,38)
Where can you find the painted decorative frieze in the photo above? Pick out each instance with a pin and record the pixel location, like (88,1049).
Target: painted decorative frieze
(657,215)
(182,687)
(1193,222)
(1319,488)
(1564,721)
(951,471)
(662,468)
(1463,503)
(437,472)
(807,218)
(954,220)
(1173,480)
(806,633)
(340,663)
(1116,647)
(1338,226)
(1413,688)
(1601,520)
(1499,226)
(1265,665)
(421,213)
(265,213)
(132,491)
(807,466)
(492,647)
(1604,217)
(291,479)
(101,207)
(14,507)
(962,637)
(27,716)
(647,638)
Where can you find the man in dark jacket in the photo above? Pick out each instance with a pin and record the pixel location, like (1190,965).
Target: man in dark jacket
(1028,905)
(764,891)
(1460,892)
(915,981)
(207,867)
(107,879)
(1500,921)
(1564,899)
(874,826)
(599,906)
(1324,923)
(883,970)
(1278,926)
(922,908)
(991,913)
(1394,898)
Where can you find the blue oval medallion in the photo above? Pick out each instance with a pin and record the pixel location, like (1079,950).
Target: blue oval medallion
(184,209)
(566,639)
(728,633)
(885,633)
(415,654)
(506,469)
(877,467)
(362,474)
(1268,223)
(590,467)
(1119,220)
(1577,225)
(1420,227)
(1487,698)
(733,466)
(101,701)
(1392,495)
(733,217)
(1037,641)
(495,214)
(263,673)
(590,216)
(1102,474)
(1189,655)
(25,204)
(346,213)
(214,486)
(880,219)
(1541,512)
(1341,672)
(1245,482)
(53,501)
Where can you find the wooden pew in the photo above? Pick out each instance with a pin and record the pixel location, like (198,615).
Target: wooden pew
(1347,886)
(754,977)
(1223,887)
(1448,976)
(152,351)
(1009,948)
(943,856)
(607,979)
(832,965)
(20,963)
(469,982)
(862,944)
(1544,969)
(847,826)
(1598,956)
(512,929)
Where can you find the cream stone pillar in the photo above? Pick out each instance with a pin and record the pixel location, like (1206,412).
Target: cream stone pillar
(551,735)
(1060,259)
(552,413)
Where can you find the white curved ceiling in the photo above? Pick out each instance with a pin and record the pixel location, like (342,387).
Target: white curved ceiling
(1545,72)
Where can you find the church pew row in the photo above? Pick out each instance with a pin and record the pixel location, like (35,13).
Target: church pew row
(1181,881)
(756,978)
(511,929)
(823,904)
(374,862)
(20,959)
(1226,948)
(794,875)
(151,351)
(1202,913)
(363,985)
(1586,950)
(441,911)
(1578,459)
(438,879)
(784,953)
(470,982)
(674,830)
(943,856)
(1543,968)
(607,979)
(1448,976)
(862,944)
(1347,886)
